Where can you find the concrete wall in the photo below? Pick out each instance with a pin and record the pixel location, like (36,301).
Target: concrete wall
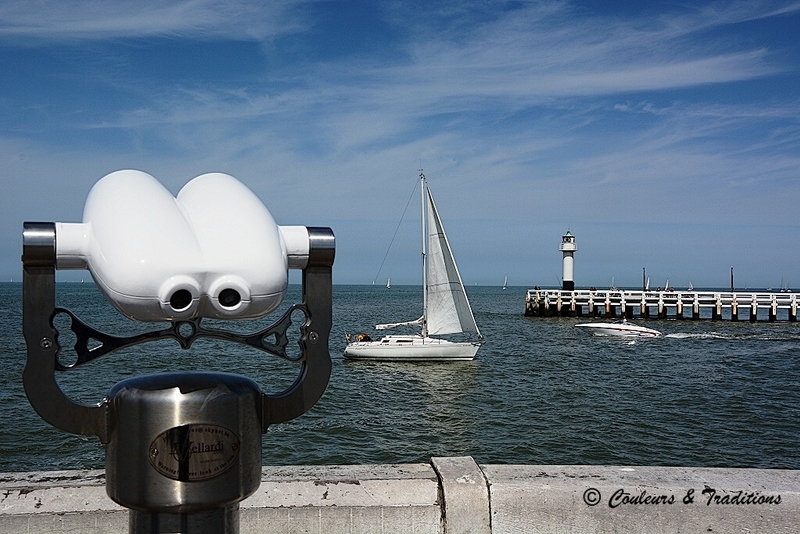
(449,495)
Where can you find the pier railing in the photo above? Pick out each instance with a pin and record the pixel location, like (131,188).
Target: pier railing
(731,305)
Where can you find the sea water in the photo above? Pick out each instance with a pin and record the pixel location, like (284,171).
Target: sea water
(708,393)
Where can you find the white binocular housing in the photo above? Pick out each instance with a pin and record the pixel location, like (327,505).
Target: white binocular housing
(213,251)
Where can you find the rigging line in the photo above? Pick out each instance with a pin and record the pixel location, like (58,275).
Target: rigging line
(395,233)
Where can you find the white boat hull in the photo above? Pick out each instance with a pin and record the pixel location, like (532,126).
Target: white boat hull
(619,329)
(411,348)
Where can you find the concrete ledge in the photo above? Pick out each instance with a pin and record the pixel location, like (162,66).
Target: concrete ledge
(58,501)
(604,499)
(466,495)
(354,498)
(452,495)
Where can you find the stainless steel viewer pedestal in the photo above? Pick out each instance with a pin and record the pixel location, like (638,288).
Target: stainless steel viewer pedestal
(193,473)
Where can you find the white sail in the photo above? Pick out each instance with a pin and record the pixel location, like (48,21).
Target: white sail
(448,308)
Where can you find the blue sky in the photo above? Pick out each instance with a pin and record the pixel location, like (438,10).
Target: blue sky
(663,136)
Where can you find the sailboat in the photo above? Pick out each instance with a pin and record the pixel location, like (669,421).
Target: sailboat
(445,306)
(505,283)
(389,283)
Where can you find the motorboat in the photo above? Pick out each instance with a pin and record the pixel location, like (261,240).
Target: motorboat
(445,307)
(619,328)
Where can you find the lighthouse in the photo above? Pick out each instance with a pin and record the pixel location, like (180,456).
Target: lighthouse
(568,248)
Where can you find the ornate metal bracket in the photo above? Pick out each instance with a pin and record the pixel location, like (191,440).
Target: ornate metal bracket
(91,343)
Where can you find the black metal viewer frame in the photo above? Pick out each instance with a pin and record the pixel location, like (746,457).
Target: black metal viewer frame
(39,310)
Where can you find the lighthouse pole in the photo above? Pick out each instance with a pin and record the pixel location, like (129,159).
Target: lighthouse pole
(568,248)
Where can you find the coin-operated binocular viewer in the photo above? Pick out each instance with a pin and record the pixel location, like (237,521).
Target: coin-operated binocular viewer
(182,448)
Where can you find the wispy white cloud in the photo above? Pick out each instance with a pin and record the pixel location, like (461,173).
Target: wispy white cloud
(38,21)
(526,58)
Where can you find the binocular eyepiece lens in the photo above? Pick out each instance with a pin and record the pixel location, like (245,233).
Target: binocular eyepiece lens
(180,300)
(228,298)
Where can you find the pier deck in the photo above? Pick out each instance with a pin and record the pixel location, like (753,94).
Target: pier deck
(730,305)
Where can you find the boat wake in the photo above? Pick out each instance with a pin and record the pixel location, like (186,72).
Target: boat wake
(703,335)
(718,335)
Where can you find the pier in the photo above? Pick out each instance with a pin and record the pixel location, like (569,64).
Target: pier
(611,303)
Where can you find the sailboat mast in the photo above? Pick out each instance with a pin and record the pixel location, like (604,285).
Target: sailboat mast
(423,198)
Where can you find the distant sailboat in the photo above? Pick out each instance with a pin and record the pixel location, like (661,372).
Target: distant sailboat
(388,283)
(505,283)
(445,307)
